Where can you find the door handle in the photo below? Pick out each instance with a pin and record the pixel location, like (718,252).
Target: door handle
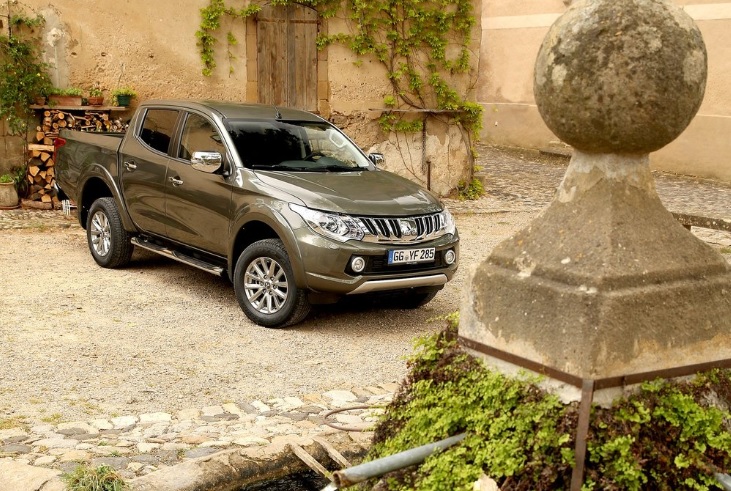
(175,181)
(130,165)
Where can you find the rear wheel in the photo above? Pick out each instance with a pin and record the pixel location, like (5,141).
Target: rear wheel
(109,242)
(265,288)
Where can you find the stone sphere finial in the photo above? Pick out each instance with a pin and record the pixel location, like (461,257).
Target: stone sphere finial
(620,76)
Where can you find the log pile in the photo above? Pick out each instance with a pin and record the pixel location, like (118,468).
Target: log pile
(41,166)
(41,172)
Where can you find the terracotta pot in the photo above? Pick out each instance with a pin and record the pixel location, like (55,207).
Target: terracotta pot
(64,100)
(96,101)
(8,195)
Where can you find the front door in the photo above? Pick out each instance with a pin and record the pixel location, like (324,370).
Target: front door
(198,205)
(287,56)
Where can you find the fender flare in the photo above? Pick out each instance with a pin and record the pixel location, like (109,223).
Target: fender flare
(276,221)
(97,171)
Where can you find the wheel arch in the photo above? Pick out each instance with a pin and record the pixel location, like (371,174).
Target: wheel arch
(263,227)
(98,184)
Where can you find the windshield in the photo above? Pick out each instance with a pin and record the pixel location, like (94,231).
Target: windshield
(295,146)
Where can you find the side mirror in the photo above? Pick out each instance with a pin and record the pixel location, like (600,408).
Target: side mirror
(208,162)
(376,158)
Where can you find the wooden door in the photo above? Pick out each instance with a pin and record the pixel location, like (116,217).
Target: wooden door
(287,56)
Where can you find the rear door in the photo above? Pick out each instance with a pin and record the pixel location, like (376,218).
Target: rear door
(145,157)
(198,205)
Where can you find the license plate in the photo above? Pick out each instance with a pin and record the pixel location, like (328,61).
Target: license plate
(407,256)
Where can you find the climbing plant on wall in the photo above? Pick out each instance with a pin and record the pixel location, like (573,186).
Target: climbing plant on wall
(23,74)
(424,46)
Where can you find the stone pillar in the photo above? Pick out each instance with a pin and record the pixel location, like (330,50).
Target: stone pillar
(605,282)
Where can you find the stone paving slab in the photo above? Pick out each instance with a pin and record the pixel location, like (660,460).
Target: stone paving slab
(138,445)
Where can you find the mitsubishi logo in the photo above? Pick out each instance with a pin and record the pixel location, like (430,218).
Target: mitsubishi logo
(408,227)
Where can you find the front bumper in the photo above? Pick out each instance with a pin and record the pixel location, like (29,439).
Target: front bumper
(326,268)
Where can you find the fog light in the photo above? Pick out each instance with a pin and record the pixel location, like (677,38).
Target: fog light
(450,256)
(357,264)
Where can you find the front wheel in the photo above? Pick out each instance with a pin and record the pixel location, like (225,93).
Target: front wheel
(109,242)
(265,288)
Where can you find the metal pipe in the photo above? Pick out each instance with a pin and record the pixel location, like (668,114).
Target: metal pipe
(725,480)
(384,465)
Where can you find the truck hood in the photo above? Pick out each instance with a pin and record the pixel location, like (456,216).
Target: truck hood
(374,193)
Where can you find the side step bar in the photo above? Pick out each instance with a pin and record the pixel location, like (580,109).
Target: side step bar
(178,256)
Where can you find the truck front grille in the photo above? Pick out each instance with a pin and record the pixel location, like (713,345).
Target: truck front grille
(408,230)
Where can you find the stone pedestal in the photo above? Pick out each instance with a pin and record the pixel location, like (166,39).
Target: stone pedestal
(605,282)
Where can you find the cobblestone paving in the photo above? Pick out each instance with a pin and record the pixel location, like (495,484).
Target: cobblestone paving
(526,179)
(530,179)
(138,445)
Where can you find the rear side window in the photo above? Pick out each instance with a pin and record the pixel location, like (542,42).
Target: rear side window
(158,127)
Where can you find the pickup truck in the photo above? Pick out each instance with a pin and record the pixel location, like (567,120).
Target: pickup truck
(278,200)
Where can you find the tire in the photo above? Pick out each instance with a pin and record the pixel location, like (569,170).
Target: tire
(265,288)
(109,242)
(414,300)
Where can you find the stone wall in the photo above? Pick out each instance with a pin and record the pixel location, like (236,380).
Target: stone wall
(151,46)
(512,31)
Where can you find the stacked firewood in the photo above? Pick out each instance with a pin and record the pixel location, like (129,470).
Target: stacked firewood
(41,166)
(41,172)
(55,120)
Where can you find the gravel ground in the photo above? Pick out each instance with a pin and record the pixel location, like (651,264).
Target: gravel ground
(79,342)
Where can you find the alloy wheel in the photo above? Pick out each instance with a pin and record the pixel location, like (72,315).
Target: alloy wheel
(101,233)
(266,285)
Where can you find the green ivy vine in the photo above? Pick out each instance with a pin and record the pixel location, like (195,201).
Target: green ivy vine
(423,44)
(23,74)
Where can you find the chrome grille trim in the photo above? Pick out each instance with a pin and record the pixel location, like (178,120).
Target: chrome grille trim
(403,230)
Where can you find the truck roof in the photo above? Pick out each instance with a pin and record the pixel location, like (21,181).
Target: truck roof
(239,110)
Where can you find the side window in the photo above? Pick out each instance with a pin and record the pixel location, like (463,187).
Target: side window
(158,128)
(199,135)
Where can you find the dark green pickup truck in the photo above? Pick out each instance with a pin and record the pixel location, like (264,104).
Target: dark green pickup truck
(279,200)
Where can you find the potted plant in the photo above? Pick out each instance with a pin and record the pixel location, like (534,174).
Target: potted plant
(41,97)
(8,194)
(65,97)
(123,96)
(96,97)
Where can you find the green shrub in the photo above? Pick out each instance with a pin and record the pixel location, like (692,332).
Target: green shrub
(666,436)
(102,478)
(470,191)
(69,91)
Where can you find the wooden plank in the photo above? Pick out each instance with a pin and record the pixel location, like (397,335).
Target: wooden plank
(40,148)
(302,59)
(703,222)
(309,460)
(272,56)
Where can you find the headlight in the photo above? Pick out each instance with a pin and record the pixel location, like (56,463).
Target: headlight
(449,226)
(338,227)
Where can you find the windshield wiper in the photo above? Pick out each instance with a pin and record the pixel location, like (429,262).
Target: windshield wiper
(281,167)
(339,168)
